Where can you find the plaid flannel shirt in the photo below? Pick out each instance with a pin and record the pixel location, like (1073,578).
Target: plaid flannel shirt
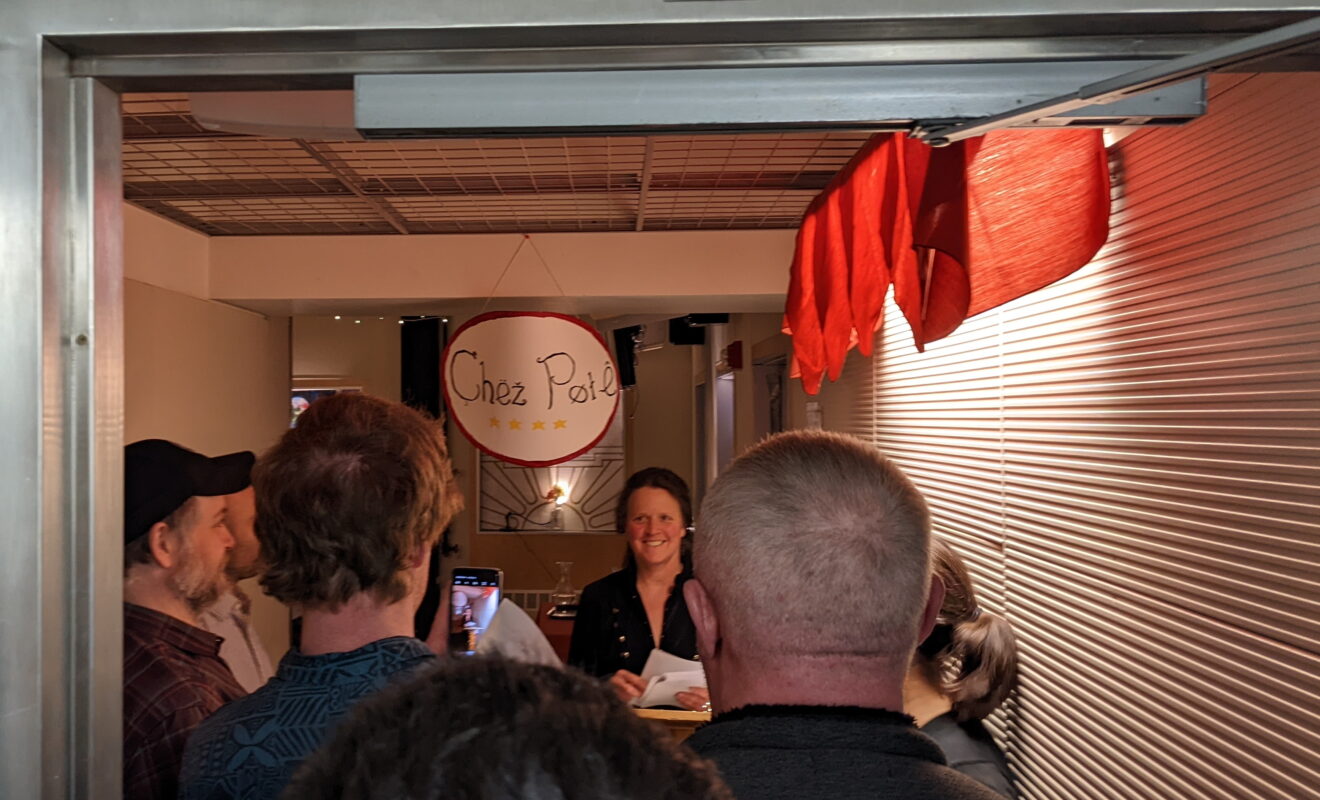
(173,679)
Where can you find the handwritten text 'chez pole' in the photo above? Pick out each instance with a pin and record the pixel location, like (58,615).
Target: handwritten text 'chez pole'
(556,374)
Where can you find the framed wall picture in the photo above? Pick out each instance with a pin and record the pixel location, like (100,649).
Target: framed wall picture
(300,397)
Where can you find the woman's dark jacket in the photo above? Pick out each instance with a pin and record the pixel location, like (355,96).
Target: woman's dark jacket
(611,631)
(971,750)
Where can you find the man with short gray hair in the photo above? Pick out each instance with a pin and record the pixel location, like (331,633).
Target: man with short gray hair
(811,591)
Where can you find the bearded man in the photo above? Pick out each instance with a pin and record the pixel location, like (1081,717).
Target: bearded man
(176,551)
(230,617)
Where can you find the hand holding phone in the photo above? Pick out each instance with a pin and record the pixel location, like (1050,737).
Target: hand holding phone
(474,595)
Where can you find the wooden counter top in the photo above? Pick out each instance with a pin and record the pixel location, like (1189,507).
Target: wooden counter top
(679,723)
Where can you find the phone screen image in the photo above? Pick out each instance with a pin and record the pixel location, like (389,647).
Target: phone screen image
(474,595)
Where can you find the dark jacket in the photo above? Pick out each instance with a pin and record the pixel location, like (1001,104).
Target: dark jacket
(774,752)
(970,749)
(611,631)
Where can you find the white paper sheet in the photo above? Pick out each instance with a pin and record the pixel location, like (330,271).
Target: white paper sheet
(659,662)
(514,635)
(667,675)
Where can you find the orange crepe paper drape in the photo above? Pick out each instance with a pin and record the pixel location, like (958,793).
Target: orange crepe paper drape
(955,230)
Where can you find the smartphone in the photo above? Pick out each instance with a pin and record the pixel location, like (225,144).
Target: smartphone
(474,594)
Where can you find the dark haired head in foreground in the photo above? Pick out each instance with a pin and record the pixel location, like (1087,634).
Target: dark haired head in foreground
(490,729)
(349,505)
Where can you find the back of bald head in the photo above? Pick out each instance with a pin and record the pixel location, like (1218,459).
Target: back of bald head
(815,544)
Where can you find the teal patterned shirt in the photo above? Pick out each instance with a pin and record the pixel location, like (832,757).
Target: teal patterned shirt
(250,748)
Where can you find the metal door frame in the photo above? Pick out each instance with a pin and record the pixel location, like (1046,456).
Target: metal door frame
(61,402)
(61,255)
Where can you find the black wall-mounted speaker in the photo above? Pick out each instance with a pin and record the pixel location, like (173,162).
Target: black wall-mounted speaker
(421,339)
(691,330)
(625,354)
(680,332)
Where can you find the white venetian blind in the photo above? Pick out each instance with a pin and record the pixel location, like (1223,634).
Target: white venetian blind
(1130,460)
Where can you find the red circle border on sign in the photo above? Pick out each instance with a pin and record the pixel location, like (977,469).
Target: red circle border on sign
(489,315)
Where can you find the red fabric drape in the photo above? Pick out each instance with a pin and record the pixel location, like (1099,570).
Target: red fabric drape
(955,230)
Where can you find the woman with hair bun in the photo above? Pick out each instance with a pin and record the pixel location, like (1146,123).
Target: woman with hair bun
(961,673)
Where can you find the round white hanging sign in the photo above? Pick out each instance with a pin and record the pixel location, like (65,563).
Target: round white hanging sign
(531,388)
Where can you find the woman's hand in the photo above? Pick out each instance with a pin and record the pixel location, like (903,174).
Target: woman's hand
(696,698)
(627,685)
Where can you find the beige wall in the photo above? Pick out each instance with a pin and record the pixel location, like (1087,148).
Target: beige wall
(697,264)
(211,377)
(761,337)
(205,374)
(356,353)
(165,254)
(659,424)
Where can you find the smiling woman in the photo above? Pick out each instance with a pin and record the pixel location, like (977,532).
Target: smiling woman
(624,616)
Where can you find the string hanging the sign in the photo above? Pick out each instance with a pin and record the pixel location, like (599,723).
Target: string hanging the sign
(525,240)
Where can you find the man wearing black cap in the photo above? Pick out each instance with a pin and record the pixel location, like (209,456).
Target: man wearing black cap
(175,553)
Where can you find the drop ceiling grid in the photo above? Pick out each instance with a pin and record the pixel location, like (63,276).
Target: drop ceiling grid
(752,180)
(790,160)
(745,208)
(227,184)
(511,213)
(246,167)
(490,159)
(150,116)
(285,215)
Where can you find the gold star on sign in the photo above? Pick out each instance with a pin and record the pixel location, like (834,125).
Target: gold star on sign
(538,425)
(515,425)
(494,423)
(561,423)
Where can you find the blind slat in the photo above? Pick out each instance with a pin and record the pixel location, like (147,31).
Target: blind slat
(1130,461)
